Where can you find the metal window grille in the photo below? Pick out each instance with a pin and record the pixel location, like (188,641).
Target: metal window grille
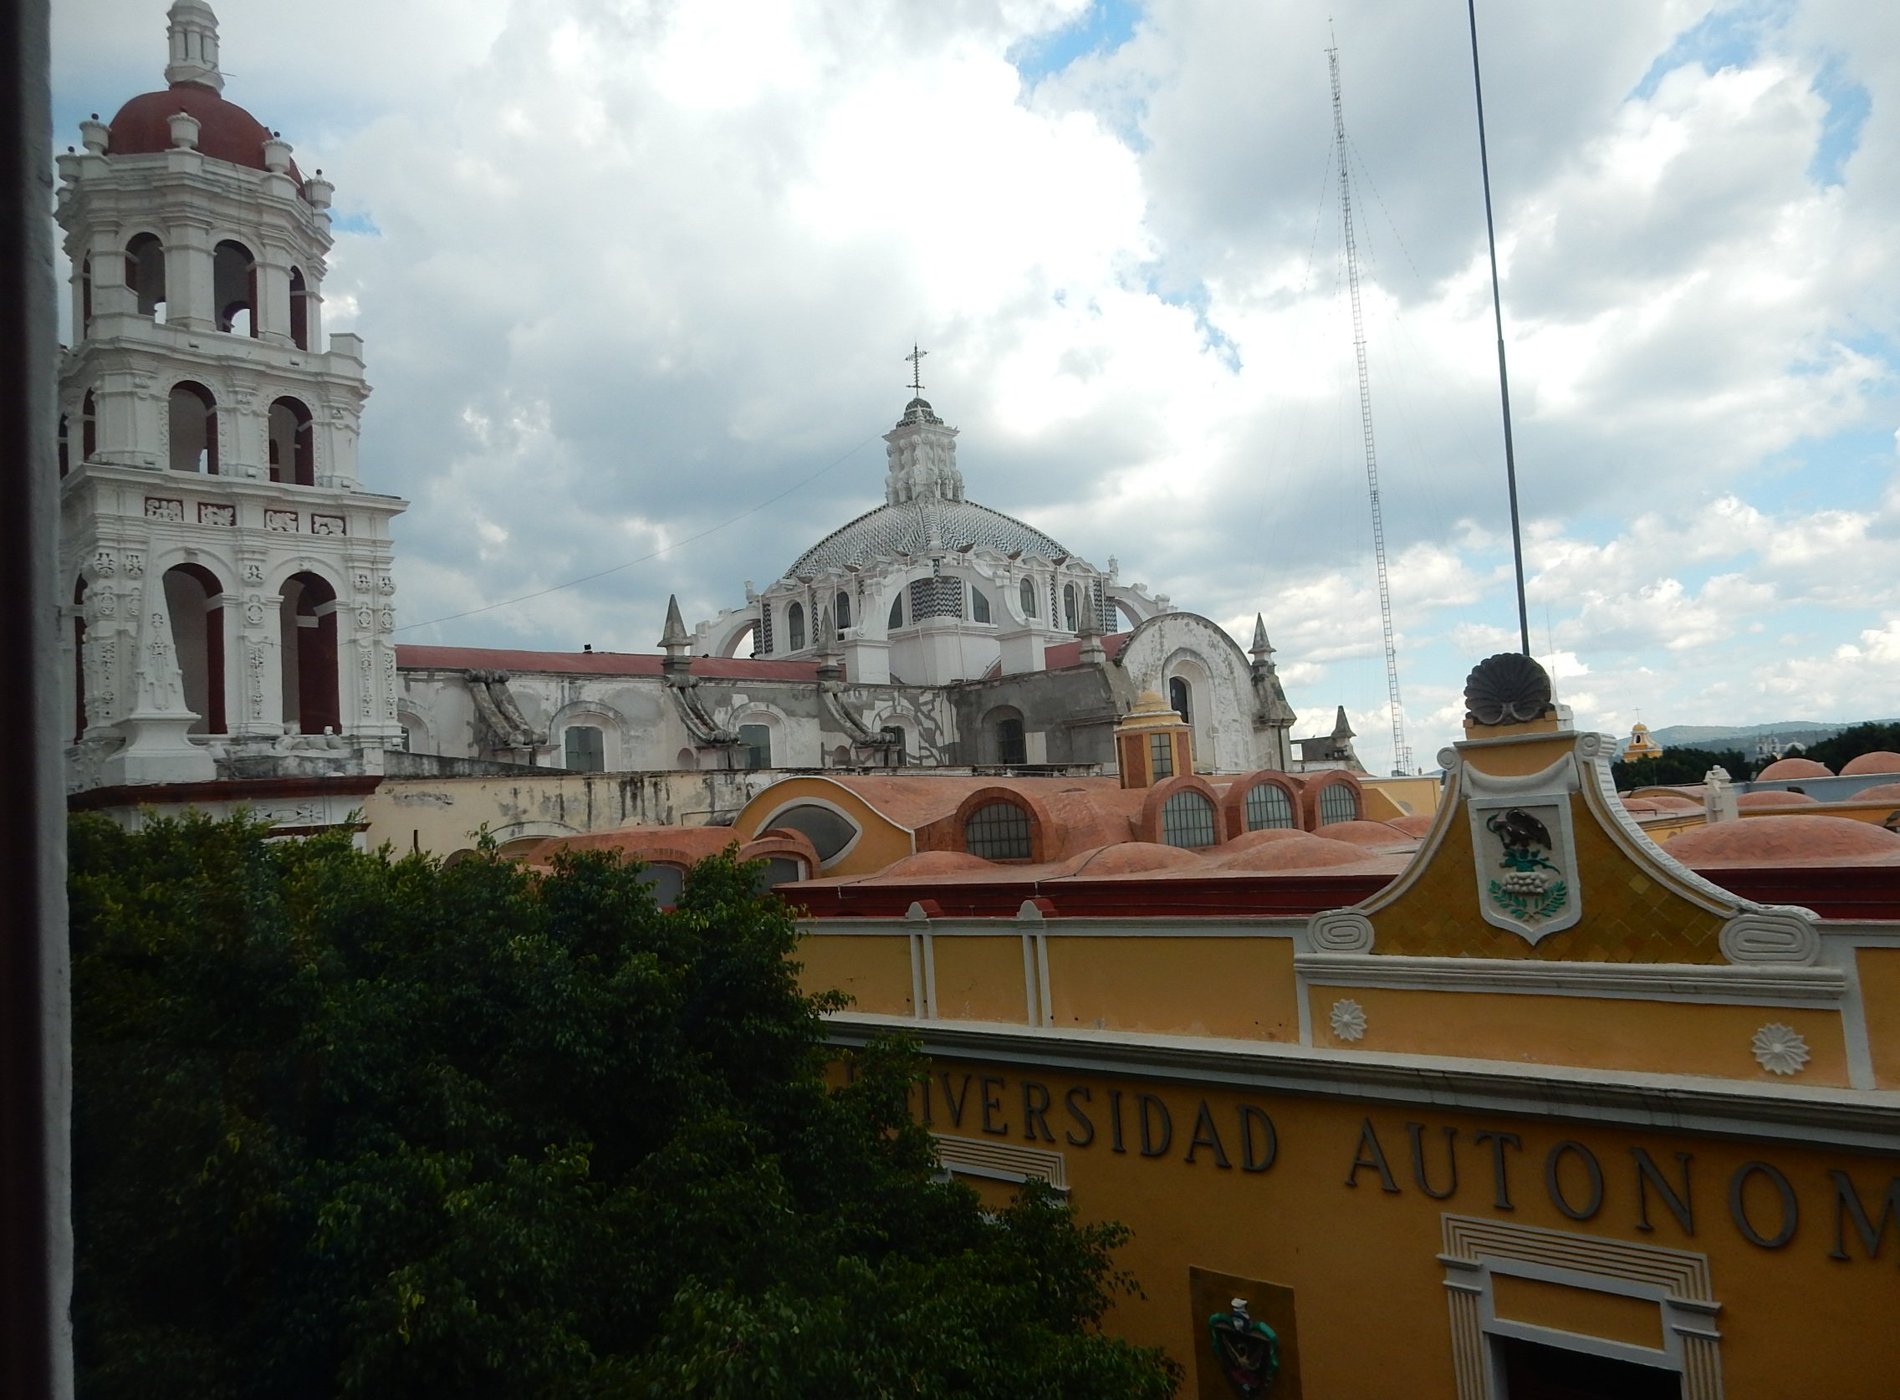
(997,831)
(1161,755)
(1337,803)
(1187,819)
(1268,806)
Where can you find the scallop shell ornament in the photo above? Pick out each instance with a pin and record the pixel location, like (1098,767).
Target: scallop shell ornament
(1509,688)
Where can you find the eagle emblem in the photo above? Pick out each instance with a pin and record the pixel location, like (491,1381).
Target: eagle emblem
(1532,890)
(1248,1350)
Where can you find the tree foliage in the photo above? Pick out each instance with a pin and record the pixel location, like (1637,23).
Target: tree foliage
(1849,744)
(352,1125)
(1675,767)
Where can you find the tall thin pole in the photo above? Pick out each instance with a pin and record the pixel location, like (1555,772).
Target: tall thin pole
(1401,755)
(1497,313)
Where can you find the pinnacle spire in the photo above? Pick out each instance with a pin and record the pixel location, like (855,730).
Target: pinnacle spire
(192,38)
(674,634)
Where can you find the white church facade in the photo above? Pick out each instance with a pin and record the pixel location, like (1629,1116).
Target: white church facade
(232,581)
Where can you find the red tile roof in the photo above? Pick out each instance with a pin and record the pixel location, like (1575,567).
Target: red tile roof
(597,663)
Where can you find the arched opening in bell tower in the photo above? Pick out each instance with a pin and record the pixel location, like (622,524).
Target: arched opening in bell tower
(234,287)
(194,429)
(194,598)
(308,647)
(299,310)
(85,296)
(88,427)
(65,445)
(293,456)
(145,274)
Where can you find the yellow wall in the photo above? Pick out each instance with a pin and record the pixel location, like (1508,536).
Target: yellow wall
(882,842)
(1386,798)
(874,971)
(1178,984)
(1362,1260)
(980,978)
(1880,1004)
(1587,1032)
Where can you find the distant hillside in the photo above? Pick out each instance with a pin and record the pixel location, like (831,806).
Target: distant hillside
(1712,736)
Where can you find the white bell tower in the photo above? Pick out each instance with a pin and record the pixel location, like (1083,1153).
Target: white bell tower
(230,583)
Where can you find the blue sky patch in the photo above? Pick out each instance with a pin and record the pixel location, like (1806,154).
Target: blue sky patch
(358,222)
(1727,37)
(1848,105)
(1104,27)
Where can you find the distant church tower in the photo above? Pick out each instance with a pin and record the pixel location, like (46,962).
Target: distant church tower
(232,599)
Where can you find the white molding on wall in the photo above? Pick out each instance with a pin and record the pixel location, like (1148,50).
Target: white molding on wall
(1669,1103)
(1477,1251)
(1752,985)
(1001,1161)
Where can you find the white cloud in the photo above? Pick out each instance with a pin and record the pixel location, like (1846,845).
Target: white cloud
(640,269)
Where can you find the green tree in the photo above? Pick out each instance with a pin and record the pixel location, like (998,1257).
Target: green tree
(351,1125)
(1872,737)
(1677,767)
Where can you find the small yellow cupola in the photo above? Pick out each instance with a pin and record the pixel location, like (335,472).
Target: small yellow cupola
(1152,742)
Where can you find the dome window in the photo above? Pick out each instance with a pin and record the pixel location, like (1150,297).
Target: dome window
(997,831)
(1187,820)
(795,627)
(1338,803)
(1268,808)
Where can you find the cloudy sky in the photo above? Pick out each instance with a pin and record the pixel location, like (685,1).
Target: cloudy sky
(637,277)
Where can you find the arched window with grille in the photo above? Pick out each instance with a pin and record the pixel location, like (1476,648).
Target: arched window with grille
(795,627)
(843,610)
(979,605)
(1187,820)
(997,831)
(1028,595)
(1338,803)
(1269,808)
(1069,606)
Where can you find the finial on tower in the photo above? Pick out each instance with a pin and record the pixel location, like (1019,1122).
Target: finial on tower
(192,34)
(1262,650)
(916,358)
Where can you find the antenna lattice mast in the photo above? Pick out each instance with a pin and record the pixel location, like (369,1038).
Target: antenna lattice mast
(1401,755)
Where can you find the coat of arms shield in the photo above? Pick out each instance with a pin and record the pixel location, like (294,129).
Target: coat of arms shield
(1525,859)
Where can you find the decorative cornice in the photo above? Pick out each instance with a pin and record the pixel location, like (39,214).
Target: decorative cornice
(1857,1119)
(1695,982)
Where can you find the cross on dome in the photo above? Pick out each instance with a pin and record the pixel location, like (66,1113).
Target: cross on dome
(916,358)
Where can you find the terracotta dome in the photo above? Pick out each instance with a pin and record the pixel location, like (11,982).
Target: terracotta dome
(1266,836)
(1880,792)
(1305,852)
(1774,797)
(225,130)
(1795,768)
(1373,835)
(1671,801)
(934,863)
(1789,840)
(1880,761)
(1137,857)
(1413,823)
